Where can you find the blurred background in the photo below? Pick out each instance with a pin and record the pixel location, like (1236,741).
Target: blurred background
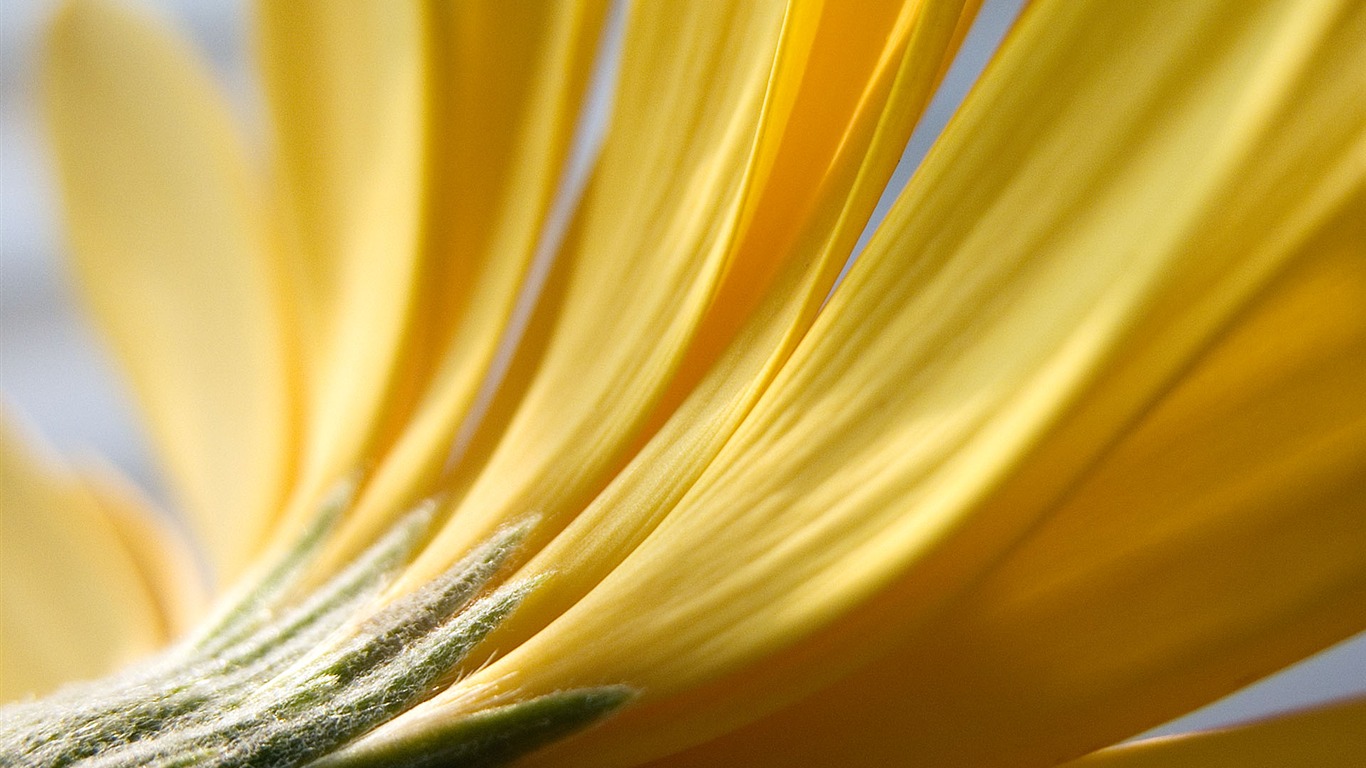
(55,376)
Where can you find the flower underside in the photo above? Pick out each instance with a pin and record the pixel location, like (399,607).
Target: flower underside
(276,679)
(525,440)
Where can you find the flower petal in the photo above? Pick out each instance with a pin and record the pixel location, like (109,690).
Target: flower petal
(507,97)
(689,248)
(177,261)
(72,602)
(347,85)
(884,91)
(1333,736)
(1220,540)
(168,566)
(650,241)
(898,79)
(1063,255)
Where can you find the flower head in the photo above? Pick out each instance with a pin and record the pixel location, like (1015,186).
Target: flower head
(512,455)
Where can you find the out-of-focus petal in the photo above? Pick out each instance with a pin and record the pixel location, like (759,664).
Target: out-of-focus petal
(347,84)
(174,576)
(73,603)
(176,258)
(1333,736)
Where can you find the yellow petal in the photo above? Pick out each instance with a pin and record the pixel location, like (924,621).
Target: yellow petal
(1060,258)
(347,83)
(72,603)
(876,98)
(1332,736)
(176,259)
(890,86)
(689,247)
(651,243)
(1220,540)
(508,81)
(173,575)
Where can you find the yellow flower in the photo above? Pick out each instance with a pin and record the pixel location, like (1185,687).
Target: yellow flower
(1077,447)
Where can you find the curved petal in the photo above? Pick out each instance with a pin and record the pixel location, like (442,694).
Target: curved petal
(176,259)
(347,86)
(883,92)
(651,241)
(174,577)
(706,213)
(1333,736)
(1062,256)
(508,81)
(899,79)
(73,604)
(1219,541)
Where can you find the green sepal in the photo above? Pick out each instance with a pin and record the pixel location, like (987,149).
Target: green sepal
(244,611)
(490,738)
